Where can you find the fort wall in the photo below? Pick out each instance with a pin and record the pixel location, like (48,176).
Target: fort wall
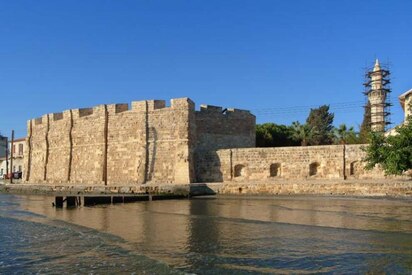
(112,144)
(355,167)
(88,146)
(169,146)
(149,142)
(309,162)
(37,149)
(126,142)
(216,129)
(219,128)
(59,146)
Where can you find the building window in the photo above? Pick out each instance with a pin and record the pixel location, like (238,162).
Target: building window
(275,170)
(14,168)
(239,170)
(1,172)
(14,148)
(19,168)
(313,168)
(21,149)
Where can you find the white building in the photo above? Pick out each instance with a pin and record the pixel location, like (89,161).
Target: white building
(405,100)
(18,160)
(406,103)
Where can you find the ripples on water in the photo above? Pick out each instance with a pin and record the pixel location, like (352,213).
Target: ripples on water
(207,236)
(31,243)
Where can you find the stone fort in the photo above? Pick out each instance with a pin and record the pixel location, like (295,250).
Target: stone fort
(146,143)
(149,142)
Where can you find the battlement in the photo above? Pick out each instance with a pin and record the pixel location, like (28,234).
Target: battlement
(135,106)
(57,116)
(85,112)
(153,105)
(210,109)
(38,121)
(117,108)
(218,109)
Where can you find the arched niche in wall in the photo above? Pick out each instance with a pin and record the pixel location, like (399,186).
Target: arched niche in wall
(239,171)
(275,170)
(314,168)
(355,168)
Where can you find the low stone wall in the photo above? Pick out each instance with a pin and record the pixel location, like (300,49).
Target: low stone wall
(363,188)
(366,188)
(308,162)
(65,190)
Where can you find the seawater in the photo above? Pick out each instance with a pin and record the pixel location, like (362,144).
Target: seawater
(224,235)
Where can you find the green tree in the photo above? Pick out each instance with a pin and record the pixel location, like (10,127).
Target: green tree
(345,135)
(274,135)
(302,133)
(365,127)
(393,153)
(320,121)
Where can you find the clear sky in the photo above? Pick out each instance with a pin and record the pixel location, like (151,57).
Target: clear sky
(276,58)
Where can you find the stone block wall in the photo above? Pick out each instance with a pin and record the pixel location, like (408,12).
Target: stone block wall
(154,143)
(218,128)
(35,156)
(169,146)
(59,146)
(126,148)
(88,148)
(110,144)
(265,164)
(355,168)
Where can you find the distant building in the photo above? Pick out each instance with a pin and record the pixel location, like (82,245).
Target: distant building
(3,153)
(3,146)
(18,159)
(406,102)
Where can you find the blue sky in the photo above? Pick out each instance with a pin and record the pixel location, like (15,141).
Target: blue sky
(277,58)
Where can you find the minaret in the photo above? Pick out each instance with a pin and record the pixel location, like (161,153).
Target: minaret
(377,92)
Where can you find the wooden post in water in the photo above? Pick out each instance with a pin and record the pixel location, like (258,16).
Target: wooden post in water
(59,202)
(71,202)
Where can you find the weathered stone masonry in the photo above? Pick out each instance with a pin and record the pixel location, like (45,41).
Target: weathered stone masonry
(153,143)
(148,143)
(266,164)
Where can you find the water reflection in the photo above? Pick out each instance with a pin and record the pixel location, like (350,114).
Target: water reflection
(276,234)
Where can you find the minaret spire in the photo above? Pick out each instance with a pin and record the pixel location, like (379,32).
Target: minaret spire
(377,89)
(377,66)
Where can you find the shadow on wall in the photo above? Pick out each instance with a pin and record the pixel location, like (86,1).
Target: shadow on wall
(208,167)
(152,154)
(201,190)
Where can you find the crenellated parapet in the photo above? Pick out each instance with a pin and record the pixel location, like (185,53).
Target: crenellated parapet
(227,112)
(219,128)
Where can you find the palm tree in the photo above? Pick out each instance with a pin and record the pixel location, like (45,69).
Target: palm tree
(302,133)
(344,135)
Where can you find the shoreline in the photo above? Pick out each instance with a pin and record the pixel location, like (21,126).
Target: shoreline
(389,188)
